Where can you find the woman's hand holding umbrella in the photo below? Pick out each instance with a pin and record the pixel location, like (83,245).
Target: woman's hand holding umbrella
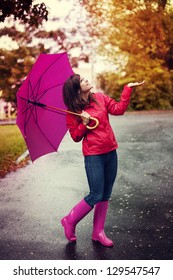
(85,117)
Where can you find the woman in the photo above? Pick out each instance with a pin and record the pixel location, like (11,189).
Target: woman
(99,148)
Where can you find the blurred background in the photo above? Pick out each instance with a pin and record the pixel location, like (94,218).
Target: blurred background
(109,42)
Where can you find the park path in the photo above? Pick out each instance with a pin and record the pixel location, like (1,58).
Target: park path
(140,219)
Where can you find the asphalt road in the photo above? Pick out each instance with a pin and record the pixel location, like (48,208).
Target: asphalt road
(140,219)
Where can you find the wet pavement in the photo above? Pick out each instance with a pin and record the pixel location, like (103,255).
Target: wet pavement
(140,219)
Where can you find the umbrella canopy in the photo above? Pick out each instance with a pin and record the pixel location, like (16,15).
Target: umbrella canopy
(42,127)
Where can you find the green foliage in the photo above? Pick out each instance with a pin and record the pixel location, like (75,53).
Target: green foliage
(14,66)
(16,63)
(12,146)
(137,36)
(157,93)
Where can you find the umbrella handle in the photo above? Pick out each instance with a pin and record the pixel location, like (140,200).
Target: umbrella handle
(62,110)
(96,123)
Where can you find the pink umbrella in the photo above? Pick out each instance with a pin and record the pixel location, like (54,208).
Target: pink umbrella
(41,109)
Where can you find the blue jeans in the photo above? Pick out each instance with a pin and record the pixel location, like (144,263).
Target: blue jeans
(101,173)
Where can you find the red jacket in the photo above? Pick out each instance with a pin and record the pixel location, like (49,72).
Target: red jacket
(100,140)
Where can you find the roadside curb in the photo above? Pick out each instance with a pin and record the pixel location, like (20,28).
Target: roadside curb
(22,157)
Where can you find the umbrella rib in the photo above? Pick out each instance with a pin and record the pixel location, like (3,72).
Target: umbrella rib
(36,115)
(27,107)
(41,94)
(48,69)
(34,108)
(35,98)
(27,118)
(44,134)
(32,91)
(29,88)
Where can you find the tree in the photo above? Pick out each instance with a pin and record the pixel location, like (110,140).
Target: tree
(31,41)
(137,37)
(14,66)
(23,10)
(16,63)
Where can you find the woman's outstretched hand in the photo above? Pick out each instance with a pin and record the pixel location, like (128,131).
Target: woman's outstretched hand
(135,84)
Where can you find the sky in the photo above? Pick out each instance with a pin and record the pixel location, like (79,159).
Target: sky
(57,8)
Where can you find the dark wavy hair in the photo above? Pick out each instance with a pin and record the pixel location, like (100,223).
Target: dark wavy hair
(72,94)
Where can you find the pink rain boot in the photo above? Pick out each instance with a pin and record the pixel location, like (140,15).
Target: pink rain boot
(98,234)
(70,221)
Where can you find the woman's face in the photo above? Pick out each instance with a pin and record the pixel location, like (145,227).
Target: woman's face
(85,85)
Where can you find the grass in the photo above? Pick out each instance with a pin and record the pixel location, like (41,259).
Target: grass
(12,145)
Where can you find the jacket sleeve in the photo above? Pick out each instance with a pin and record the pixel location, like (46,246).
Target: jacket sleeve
(77,130)
(119,108)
